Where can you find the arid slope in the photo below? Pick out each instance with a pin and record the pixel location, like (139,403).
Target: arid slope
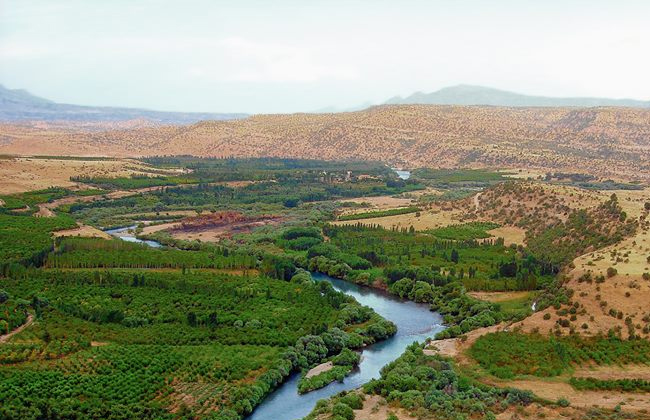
(603,141)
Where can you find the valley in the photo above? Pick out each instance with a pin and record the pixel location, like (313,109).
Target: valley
(492,262)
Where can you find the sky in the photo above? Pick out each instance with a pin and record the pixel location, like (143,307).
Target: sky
(305,55)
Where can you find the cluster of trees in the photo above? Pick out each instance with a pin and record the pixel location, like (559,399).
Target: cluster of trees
(622,385)
(450,258)
(379,213)
(101,253)
(27,240)
(281,192)
(508,354)
(430,387)
(584,229)
(14,312)
(163,325)
(343,364)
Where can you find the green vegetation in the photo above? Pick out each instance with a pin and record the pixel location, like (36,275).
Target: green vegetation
(288,191)
(430,387)
(379,213)
(27,240)
(14,312)
(422,257)
(423,268)
(621,385)
(135,181)
(509,354)
(197,329)
(448,176)
(101,253)
(162,330)
(343,363)
(465,231)
(32,198)
(594,229)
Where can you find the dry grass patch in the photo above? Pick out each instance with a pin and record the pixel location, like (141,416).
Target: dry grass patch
(28,174)
(510,234)
(428,219)
(83,231)
(499,296)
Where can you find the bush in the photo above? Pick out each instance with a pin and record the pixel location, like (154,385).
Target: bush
(343,410)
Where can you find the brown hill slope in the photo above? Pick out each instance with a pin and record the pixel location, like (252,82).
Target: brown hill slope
(604,141)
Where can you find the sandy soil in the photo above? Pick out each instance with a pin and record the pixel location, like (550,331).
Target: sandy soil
(207,233)
(376,408)
(323,367)
(455,347)
(523,173)
(83,231)
(552,390)
(614,372)
(377,203)
(148,230)
(44,211)
(626,292)
(27,174)
(510,234)
(499,296)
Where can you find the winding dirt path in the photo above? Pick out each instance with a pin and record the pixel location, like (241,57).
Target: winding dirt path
(6,337)
(477,203)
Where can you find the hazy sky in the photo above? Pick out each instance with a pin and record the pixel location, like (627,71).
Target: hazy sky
(284,56)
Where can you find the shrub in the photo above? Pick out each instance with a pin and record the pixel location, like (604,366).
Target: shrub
(343,410)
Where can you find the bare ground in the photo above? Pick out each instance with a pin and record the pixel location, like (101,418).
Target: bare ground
(84,231)
(499,296)
(428,219)
(323,367)
(27,174)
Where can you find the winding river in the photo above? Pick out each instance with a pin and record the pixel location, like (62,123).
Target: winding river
(126,234)
(402,174)
(415,322)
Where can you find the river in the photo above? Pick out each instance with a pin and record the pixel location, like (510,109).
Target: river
(126,234)
(415,322)
(402,174)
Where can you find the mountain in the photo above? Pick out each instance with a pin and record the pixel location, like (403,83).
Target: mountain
(20,105)
(479,95)
(608,142)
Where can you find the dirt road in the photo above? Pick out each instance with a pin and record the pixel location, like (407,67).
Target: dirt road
(6,337)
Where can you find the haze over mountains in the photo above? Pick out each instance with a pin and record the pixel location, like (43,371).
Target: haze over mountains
(20,105)
(480,95)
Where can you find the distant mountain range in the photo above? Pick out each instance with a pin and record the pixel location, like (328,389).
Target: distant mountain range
(480,95)
(20,105)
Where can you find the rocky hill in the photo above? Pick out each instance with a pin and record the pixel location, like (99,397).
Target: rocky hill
(609,142)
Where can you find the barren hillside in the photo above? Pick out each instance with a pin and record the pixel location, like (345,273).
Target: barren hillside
(612,142)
